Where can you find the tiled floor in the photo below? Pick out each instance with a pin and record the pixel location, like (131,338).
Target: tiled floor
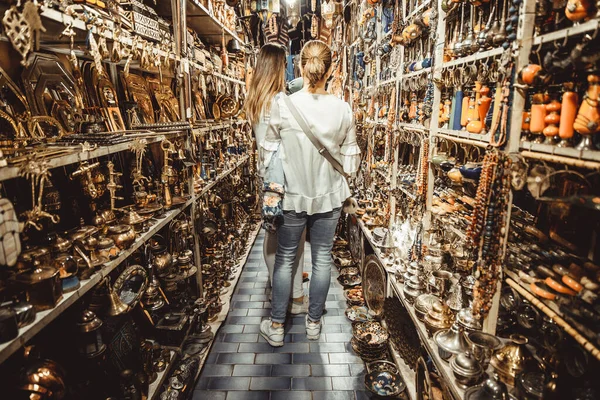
(241,365)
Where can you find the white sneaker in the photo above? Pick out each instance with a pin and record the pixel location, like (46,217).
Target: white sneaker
(273,336)
(296,308)
(313,329)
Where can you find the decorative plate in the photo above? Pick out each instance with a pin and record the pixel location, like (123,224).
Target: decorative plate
(354,296)
(355,239)
(370,332)
(374,284)
(384,380)
(349,280)
(358,314)
(349,271)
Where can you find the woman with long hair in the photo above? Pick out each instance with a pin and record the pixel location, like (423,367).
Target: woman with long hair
(267,83)
(314,189)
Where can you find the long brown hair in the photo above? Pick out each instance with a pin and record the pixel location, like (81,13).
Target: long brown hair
(316,60)
(268,80)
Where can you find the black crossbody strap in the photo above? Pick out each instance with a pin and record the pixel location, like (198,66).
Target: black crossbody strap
(320,148)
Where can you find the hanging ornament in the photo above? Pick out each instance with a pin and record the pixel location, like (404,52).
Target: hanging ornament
(314,27)
(313,5)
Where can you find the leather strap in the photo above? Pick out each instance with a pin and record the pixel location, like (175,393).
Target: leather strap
(307,131)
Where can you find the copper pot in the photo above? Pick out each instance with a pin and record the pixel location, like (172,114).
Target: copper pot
(438,318)
(44,376)
(512,359)
(42,286)
(122,235)
(162,261)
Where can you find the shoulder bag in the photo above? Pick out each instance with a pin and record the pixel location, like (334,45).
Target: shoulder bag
(350,204)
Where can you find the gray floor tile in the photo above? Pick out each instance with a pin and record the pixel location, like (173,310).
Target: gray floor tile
(217,370)
(331,328)
(334,312)
(251,370)
(202,383)
(292,395)
(327,348)
(241,338)
(336,304)
(338,395)
(248,274)
(344,358)
(329,370)
(280,358)
(365,395)
(259,297)
(346,328)
(251,329)
(208,395)
(292,348)
(311,383)
(222,347)
(240,297)
(230,328)
(248,396)
(245,285)
(236,358)
(310,358)
(271,383)
(348,382)
(301,338)
(255,348)
(212,357)
(259,312)
(259,285)
(241,312)
(290,370)
(339,337)
(244,320)
(335,319)
(297,329)
(229,383)
(357,369)
(247,304)
(250,290)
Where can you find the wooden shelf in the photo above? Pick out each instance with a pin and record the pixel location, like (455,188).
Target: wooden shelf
(207,26)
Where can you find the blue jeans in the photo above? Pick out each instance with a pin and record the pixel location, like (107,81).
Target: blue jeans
(322,230)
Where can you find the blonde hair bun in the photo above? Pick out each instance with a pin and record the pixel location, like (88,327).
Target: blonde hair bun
(316,60)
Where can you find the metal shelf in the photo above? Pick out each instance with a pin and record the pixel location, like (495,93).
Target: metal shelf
(474,57)
(417,10)
(442,366)
(74,154)
(228,78)
(590,155)
(206,25)
(465,137)
(78,24)
(155,386)
(416,127)
(221,176)
(416,73)
(567,32)
(387,82)
(43,318)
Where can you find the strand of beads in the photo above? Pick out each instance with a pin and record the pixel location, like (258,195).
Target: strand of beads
(488,268)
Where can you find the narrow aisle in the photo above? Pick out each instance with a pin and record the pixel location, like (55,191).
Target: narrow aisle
(242,365)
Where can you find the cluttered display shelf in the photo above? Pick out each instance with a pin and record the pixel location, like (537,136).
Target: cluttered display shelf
(399,186)
(474,139)
(567,155)
(155,387)
(442,366)
(44,318)
(552,311)
(202,21)
(78,153)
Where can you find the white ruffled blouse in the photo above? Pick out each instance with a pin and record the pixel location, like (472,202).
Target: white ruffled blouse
(312,184)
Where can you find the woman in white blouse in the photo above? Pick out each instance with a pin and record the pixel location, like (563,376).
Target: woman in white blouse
(268,82)
(314,190)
